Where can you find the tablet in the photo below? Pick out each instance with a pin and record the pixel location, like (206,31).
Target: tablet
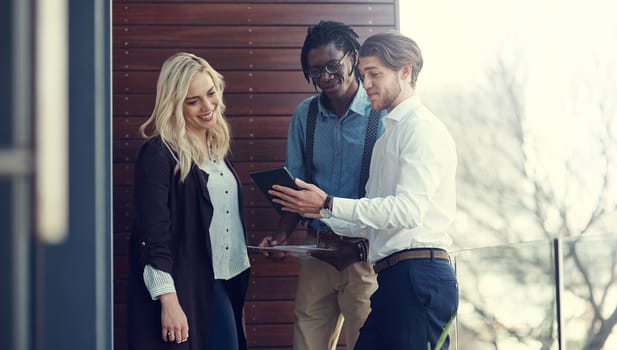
(265,179)
(298,251)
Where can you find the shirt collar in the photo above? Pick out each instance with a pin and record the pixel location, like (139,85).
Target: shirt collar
(360,102)
(358,105)
(402,110)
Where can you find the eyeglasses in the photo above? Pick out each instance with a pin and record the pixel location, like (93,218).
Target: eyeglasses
(331,67)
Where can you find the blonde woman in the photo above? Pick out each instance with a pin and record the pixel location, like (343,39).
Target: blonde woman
(189,263)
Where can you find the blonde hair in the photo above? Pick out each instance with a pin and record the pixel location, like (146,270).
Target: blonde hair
(168,117)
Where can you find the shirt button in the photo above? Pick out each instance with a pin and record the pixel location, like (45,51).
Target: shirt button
(338,154)
(221,174)
(226,191)
(227,211)
(226,248)
(143,244)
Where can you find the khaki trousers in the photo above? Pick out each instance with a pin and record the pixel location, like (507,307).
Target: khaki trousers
(325,298)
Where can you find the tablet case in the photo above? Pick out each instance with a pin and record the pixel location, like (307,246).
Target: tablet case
(265,179)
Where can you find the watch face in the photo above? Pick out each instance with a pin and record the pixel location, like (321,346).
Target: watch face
(325,213)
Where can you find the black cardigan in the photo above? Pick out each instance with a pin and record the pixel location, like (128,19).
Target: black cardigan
(171,233)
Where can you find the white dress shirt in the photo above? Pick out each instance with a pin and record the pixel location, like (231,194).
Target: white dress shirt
(410,194)
(229,255)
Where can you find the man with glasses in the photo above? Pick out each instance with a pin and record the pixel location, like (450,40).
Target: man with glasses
(329,142)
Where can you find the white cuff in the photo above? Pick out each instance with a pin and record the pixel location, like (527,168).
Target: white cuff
(343,208)
(158,282)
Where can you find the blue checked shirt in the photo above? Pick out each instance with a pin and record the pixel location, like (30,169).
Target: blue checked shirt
(338,146)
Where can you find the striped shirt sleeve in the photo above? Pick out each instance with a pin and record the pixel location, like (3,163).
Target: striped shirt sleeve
(158,282)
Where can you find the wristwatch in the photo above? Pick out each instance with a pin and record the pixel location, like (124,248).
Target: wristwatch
(326,211)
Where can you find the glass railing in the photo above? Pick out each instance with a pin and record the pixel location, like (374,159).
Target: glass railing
(553,294)
(589,298)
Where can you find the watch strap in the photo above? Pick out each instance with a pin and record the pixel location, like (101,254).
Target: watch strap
(327,203)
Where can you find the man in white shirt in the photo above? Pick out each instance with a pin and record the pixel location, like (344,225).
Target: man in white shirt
(410,204)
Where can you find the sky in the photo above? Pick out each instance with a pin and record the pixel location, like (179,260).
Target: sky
(458,38)
(564,52)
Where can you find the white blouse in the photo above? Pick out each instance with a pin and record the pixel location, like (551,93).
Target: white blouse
(229,255)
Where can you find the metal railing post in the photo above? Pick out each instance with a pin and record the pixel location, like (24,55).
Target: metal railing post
(558,261)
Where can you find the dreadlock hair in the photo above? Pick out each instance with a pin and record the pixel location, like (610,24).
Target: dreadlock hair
(326,32)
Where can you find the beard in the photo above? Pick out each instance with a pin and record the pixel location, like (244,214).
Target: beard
(388,97)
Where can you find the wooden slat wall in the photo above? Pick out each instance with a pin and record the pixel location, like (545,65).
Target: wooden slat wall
(256,46)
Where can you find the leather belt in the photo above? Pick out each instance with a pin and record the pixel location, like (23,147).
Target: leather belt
(414,253)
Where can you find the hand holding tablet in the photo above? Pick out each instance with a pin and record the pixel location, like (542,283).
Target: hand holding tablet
(265,179)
